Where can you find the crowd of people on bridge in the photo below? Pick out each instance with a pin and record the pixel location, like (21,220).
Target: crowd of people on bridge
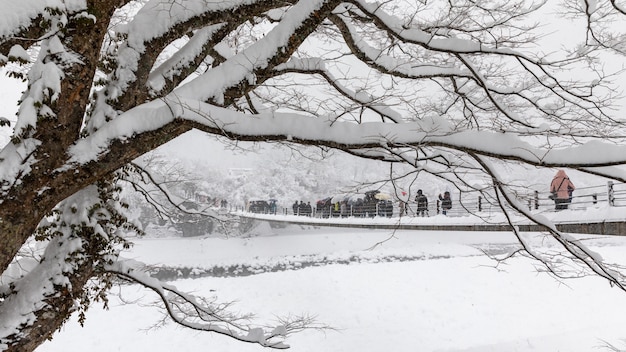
(561,192)
(302,208)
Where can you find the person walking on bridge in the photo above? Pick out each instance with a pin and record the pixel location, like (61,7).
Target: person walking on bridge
(561,189)
(422,203)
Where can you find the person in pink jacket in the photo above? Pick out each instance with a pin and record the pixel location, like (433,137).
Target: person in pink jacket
(561,189)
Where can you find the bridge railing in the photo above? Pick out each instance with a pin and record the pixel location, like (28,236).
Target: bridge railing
(612,194)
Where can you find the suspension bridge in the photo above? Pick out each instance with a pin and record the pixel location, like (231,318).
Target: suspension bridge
(593,210)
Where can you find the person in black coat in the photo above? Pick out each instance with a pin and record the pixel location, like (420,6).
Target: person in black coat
(422,203)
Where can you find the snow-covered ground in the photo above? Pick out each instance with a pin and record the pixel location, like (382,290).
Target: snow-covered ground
(406,291)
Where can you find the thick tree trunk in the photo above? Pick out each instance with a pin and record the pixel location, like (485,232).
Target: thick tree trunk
(34,195)
(57,309)
(42,300)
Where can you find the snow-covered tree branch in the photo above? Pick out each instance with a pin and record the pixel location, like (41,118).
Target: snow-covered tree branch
(206,315)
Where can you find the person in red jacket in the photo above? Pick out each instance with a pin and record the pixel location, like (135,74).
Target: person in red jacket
(561,189)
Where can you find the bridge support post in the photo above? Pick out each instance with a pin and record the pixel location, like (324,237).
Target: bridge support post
(610,193)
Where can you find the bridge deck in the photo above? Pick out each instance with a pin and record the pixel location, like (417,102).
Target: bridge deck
(608,227)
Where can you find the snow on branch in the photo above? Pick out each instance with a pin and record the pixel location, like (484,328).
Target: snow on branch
(212,85)
(80,234)
(435,131)
(17,15)
(578,255)
(207,315)
(375,57)
(157,25)
(362,98)
(157,17)
(426,39)
(181,58)
(25,295)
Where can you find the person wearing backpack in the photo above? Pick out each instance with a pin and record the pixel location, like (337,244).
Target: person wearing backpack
(561,190)
(446,202)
